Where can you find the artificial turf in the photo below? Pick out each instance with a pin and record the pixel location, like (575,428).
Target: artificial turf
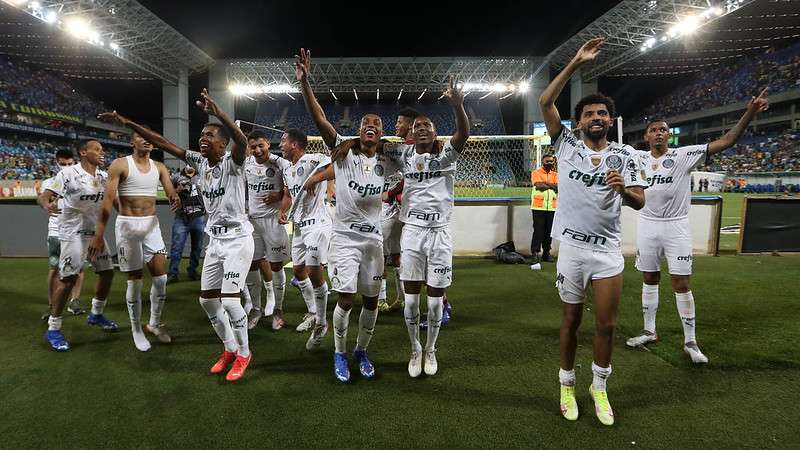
(497,385)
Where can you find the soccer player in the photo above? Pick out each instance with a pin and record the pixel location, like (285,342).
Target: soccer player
(663,228)
(391,225)
(230,248)
(64,159)
(81,187)
(268,200)
(429,170)
(138,234)
(356,243)
(596,177)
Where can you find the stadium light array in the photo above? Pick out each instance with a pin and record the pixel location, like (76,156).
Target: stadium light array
(252,89)
(422,95)
(399,95)
(336,99)
(378,95)
(688,25)
(355,94)
(492,87)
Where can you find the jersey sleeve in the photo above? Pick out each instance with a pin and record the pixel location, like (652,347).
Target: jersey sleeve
(394,153)
(194,159)
(565,143)
(339,140)
(693,156)
(56,184)
(634,172)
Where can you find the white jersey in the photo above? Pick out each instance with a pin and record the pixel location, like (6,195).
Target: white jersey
(307,212)
(261,179)
(359,188)
(52,222)
(588,214)
(428,193)
(670,178)
(223,188)
(83,197)
(391,210)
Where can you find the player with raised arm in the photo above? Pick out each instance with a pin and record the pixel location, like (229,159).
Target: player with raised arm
(268,201)
(356,250)
(663,228)
(138,234)
(81,187)
(596,177)
(391,225)
(429,170)
(64,158)
(230,248)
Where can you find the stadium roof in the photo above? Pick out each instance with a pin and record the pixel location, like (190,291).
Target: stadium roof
(658,37)
(103,39)
(390,75)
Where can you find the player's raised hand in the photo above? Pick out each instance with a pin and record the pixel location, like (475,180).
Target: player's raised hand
(112,117)
(589,50)
(207,104)
(615,181)
(96,247)
(454,95)
(760,103)
(302,64)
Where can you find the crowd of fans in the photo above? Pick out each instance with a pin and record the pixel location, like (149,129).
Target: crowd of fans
(730,83)
(42,89)
(485,116)
(755,154)
(31,158)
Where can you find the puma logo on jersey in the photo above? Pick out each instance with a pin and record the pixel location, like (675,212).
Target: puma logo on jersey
(658,179)
(588,180)
(422,176)
(214,193)
(584,237)
(91,197)
(260,187)
(364,191)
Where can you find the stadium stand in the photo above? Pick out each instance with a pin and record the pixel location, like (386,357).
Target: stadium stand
(485,116)
(756,154)
(729,83)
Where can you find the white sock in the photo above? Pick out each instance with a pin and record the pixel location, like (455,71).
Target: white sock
(685,302)
(435,307)
(98,306)
(366,327)
(600,376)
(650,306)
(279,287)
(269,307)
(307,290)
(238,320)
(398,283)
(133,299)
(54,323)
(158,294)
(382,292)
(411,313)
(566,377)
(341,320)
(321,302)
(219,321)
(253,282)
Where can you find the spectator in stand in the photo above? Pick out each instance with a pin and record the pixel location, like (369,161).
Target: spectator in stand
(189,220)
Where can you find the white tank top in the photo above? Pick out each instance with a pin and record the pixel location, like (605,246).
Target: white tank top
(139,184)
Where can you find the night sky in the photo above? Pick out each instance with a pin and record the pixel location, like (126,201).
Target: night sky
(268,29)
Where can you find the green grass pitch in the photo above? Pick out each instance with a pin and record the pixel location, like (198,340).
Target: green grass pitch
(497,384)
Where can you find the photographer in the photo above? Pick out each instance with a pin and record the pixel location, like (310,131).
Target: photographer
(190,219)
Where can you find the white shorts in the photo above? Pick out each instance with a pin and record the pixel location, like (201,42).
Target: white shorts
(74,255)
(138,240)
(578,267)
(310,246)
(356,264)
(392,229)
(227,263)
(427,255)
(658,239)
(270,239)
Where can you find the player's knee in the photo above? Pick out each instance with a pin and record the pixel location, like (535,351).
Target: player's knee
(651,277)
(345,301)
(435,292)
(255,264)
(135,275)
(299,272)
(370,303)
(605,326)
(680,283)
